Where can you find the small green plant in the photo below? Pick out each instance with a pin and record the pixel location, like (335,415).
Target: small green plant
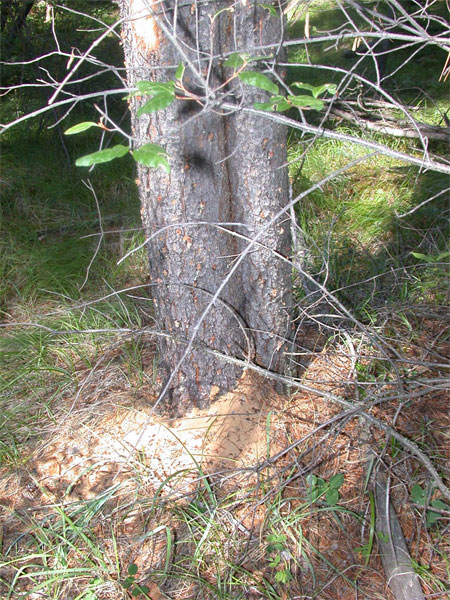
(420,496)
(395,447)
(431,258)
(280,555)
(426,574)
(319,488)
(130,583)
(91,593)
(10,454)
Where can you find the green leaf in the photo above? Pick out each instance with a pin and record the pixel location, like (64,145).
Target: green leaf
(136,592)
(275,562)
(158,102)
(259,80)
(431,259)
(331,88)
(311,480)
(316,90)
(418,495)
(283,576)
(152,155)
(432,518)
(364,551)
(179,72)
(145,589)
(317,487)
(264,106)
(332,497)
(424,257)
(280,103)
(314,481)
(336,481)
(270,8)
(235,60)
(305,102)
(439,504)
(81,127)
(277,103)
(101,156)
(132,569)
(238,59)
(383,536)
(302,86)
(274,537)
(151,88)
(260,57)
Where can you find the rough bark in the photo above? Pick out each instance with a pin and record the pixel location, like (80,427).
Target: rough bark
(224,169)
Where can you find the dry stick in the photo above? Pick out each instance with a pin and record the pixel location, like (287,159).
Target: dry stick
(395,556)
(375,87)
(415,208)
(394,127)
(401,577)
(90,187)
(81,59)
(374,146)
(40,111)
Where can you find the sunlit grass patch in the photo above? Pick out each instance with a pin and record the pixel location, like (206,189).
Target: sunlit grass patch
(365,225)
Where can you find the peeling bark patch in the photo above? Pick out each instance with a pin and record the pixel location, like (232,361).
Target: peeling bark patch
(144,25)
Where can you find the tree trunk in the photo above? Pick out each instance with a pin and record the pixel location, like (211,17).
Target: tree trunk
(228,176)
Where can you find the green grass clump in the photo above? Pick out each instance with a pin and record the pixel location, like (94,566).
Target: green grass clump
(360,238)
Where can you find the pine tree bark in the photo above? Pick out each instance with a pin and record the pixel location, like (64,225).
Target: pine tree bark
(228,180)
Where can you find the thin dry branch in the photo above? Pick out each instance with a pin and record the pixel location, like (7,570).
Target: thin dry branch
(390,126)
(397,564)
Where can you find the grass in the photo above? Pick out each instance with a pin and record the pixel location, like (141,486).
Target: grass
(80,370)
(62,548)
(49,265)
(65,555)
(357,233)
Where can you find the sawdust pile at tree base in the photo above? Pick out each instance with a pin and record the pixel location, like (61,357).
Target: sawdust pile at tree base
(229,436)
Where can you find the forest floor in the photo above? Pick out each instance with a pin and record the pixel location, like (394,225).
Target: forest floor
(261,495)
